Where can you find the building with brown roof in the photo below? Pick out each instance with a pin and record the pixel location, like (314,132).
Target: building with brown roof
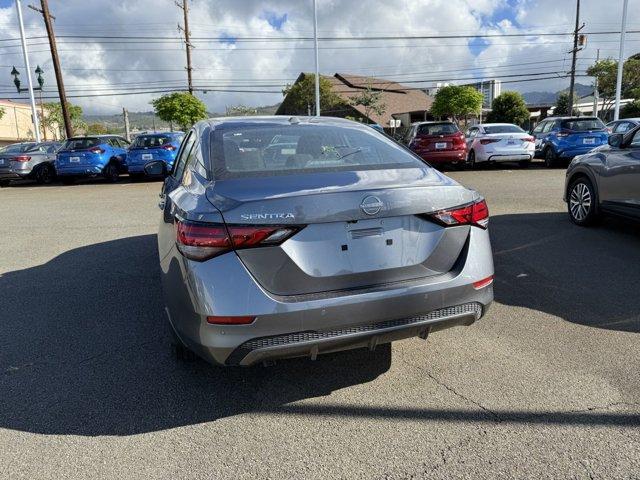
(400,102)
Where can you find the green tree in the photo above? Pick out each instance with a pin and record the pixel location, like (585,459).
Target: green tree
(562,103)
(1,112)
(181,108)
(371,100)
(54,121)
(631,110)
(456,101)
(300,96)
(241,111)
(509,107)
(606,72)
(96,129)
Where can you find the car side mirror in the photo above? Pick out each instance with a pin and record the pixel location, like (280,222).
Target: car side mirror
(615,140)
(156,169)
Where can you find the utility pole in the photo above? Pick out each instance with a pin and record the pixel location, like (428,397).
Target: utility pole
(34,112)
(573,58)
(315,42)
(187,41)
(596,94)
(623,31)
(125,115)
(56,65)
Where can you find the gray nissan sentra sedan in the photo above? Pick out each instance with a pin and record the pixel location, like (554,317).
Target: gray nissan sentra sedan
(338,239)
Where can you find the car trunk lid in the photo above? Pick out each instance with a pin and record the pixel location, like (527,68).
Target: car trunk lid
(361,228)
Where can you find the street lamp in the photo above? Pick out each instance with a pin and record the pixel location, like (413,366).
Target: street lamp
(16,81)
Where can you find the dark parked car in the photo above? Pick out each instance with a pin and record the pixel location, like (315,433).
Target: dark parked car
(28,160)
(560,139)
(623,125)
(437,142)
(606,180)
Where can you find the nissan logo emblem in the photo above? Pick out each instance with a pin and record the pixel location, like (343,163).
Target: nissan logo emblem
(371,205)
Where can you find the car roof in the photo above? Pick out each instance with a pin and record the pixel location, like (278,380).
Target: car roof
(495,125)
(571,118)
(433,122)
(279,119)
(632,119)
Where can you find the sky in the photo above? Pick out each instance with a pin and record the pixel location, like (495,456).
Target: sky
(246,51)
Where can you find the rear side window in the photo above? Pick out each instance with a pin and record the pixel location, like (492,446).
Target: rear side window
(583,124)
(437,129)
(503,129)
(80,143)
(183,154)
(249,151)
(152,141)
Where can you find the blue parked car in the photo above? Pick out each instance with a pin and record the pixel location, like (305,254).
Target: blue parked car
(559,139)
(149,147)
(104,155)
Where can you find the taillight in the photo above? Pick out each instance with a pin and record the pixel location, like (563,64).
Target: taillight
(486,141)
(529,139)
(201,241)
(96,150)
(485,282)
(168,146)
(476,214)
(21,158)
(564,133)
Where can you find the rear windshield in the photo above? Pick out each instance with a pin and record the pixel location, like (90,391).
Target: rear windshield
(250,150)
(437,129)
(80,143)
(582,124)
(16,148)
(152,141)
(44,147)
(503,129)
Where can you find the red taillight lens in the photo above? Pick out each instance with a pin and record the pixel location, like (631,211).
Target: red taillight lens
(485,282)
(21,158)
(96,150)
(486,141)
(201,241)
(529,139)
(215,320)
(169,147)
(476,214)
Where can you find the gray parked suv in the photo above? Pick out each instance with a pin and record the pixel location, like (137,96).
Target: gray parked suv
(606,180)
(344,239)
(29,160)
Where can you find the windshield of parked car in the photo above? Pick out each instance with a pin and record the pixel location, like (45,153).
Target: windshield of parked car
(437,129)
(154,141)
(249,150)
(502,129)
(80,143)
(582,124)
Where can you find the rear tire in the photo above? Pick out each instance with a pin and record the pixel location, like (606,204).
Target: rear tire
(550,159)
(471,160)
(582,202)
(4,183)
(524,163)
(67,180)
(181,351)
(136,177)
(111,173)
(45,174)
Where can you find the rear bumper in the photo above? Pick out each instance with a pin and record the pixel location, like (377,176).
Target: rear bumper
(510,157)
(571,152)
(139,167)
(447,156)
(79,171)
(306,325)
(11,175)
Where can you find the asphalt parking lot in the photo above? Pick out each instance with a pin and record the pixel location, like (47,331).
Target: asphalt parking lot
(546,386)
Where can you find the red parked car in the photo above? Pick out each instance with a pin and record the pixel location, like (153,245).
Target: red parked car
(437,142)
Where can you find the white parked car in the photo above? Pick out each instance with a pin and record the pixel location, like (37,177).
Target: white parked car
(499,142)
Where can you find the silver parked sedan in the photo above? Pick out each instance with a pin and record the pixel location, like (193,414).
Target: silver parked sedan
(344,239)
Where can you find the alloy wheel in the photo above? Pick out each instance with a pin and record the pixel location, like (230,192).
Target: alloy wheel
(580,201)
